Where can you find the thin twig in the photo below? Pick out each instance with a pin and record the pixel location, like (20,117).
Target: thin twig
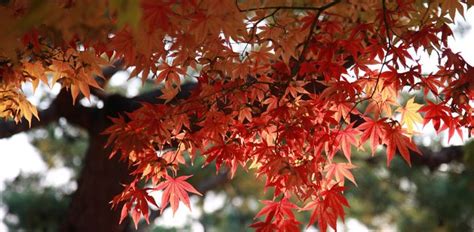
(296,68)
(384,63)
(313,8)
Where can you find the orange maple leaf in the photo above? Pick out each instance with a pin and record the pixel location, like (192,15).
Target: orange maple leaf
(339,171)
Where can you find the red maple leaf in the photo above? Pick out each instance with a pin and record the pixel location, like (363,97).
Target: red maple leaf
(175,190)
(396,140)
(282,212)
(435,113)
(137,201)
(327,209)
(278,209)
(347,137)
(372,129)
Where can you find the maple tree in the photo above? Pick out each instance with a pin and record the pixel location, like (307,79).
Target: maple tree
(280,87)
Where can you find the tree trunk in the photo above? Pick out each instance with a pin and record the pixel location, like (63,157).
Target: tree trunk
(100,180)
(98,184)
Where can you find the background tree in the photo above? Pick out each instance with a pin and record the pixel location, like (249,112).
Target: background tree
(286,90)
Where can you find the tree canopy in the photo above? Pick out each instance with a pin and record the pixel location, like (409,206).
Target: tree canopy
(288,89)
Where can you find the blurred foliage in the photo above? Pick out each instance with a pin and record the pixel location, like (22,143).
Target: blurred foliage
(414,199)
(60,144)
(31,206)
(469,154)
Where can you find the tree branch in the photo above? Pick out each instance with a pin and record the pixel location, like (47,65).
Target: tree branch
(76,114)
(301,58)
(107,73)
(429,158)
(10,128)
(213,182)
(433,159)
(313,8)
(62,106)
(153,96)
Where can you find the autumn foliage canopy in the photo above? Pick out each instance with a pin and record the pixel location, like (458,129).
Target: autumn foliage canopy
(284,88)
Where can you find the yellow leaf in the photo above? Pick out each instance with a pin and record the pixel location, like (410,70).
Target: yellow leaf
(410,115)
(255,164)
(339,171)
(383,98)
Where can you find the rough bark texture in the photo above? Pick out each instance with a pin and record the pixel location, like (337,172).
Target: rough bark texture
(99,182)
(101,177)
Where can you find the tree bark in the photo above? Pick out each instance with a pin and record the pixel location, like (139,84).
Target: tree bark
(100,179)
(99,182)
